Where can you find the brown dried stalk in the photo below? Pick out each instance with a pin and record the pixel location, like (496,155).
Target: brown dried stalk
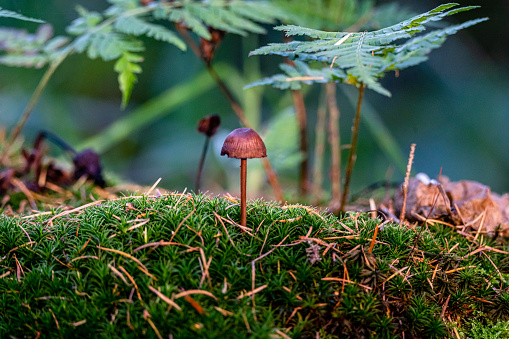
(321,116)
(405,184)
(353,149)
(237,109)
(335,143)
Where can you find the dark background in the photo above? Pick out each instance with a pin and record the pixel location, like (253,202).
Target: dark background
(455,107)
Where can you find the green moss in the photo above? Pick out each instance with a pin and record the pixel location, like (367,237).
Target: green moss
(93,272)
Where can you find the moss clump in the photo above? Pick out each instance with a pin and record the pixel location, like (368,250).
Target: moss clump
(179,265)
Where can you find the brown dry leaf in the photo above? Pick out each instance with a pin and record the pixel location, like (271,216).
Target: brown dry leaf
(423,199)
(464,202)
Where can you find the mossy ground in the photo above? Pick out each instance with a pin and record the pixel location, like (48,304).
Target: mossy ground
(179,266)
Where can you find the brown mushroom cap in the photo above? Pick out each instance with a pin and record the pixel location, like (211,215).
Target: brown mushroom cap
(244,143)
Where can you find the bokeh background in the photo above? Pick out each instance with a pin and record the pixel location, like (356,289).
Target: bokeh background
(455,107)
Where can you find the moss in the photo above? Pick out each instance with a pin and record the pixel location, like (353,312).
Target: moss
(178,264)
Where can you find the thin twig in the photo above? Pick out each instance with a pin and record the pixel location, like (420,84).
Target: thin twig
(321,116)
(405,184)
(200,166)
(300,111)
(237,109)
(31,104)
(353,149)
(271,175)
(335,144)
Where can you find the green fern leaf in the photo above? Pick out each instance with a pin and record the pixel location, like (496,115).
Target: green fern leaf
(366,56)
(213,16)
(22,49)
(299,74)
(29,61)
(238,17)
(134,26)
(415,50)
(85,22)
(259,11)
(337,14)
(190,21)
(292,30)
(127,67)
(109,46)
(10,14)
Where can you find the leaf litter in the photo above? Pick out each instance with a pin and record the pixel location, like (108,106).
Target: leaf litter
(466,204)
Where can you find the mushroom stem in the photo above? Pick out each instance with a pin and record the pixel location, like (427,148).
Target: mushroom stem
(200,166)
(243,178)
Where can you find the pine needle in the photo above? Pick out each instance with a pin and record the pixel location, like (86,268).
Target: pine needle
(164,298)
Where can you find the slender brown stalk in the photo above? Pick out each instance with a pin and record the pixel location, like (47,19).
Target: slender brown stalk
(237,109)
(243,178)
(31,104)
(271,175)
(189,40)
(405,184)
(229,96)
(335,143)
(353,149)
(321,116)
(197,185)
(300,110)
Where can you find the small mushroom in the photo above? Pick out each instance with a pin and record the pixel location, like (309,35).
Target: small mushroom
(243,144)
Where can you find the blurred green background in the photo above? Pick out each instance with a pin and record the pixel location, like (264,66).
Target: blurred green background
(455,107)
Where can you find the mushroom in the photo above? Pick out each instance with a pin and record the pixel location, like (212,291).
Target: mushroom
(243,144)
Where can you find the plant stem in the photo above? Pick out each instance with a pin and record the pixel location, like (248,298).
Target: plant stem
(31,104)
(335,143)
(405,183)
(271,175)
(237,109)
(321,116)
(243,178)
(300,110)
(353,149)
(229,96)
(200,166)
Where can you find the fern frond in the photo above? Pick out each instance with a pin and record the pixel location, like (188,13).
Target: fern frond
(292,30)
(127,67)
(10,14)
(223,19)
(366,56)
(257,11)
(332,15)
(86,21)
(300,74)
(415,50)
(106,45)
(29,61)
(191,22)
(22,49)
(132,25)
(113,34)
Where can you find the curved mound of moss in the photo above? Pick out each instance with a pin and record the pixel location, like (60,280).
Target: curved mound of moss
(179,266)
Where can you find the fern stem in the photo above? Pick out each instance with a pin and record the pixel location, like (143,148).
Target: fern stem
(353,149)
(321,116)
(335,143)
(184,33)
(237,109)
(271,175)
(45,79)
(229,96)
(31,104)
(300,110)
